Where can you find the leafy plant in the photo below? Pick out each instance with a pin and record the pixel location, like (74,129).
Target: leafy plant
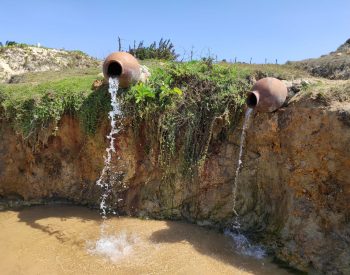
(142,92)
(168,92)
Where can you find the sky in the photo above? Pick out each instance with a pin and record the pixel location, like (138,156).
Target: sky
(226,29)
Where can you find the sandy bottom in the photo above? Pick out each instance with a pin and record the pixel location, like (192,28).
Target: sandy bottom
(67,240)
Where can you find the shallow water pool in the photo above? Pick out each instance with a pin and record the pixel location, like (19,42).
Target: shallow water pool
(67,240)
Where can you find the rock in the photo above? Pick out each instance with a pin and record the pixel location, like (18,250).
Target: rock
(145,74)
(96,84)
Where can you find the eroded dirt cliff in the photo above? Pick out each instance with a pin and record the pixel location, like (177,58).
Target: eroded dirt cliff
(293,192)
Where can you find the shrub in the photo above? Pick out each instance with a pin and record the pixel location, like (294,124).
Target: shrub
(10,43)
(164,50)
(179,105)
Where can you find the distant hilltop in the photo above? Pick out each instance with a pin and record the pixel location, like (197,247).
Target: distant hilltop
(335,65)
(16,59)
(345,48)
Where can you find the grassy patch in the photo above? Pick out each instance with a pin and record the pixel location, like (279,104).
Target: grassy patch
(330,66)
(31,107)
(54,76)
(259,71)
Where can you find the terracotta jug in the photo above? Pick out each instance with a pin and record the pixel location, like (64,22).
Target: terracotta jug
(123,66)
(267,95)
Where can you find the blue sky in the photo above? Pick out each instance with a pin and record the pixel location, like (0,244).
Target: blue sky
(257,29)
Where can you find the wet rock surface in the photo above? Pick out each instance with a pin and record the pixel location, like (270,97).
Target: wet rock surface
(293,190)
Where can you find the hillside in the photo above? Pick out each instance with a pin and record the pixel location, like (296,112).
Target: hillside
(335,65)
(19,59)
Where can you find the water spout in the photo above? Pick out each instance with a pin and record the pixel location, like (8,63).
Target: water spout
(114,69)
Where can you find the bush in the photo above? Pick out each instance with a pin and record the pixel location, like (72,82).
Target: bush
(179,105)
(10,43)
(165,50)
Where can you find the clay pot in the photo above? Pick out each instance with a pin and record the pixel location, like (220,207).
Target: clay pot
(267,95)
(123,66)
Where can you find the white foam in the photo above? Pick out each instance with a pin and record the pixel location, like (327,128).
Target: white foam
(113,248)
(242,245)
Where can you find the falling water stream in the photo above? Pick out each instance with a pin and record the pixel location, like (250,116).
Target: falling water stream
(108,245)
(115,246)
(241,242)
(239,163)
(104,181)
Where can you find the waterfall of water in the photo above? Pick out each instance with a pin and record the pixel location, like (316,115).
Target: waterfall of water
(239,163)
(108,245)
(241,242)
(106,184)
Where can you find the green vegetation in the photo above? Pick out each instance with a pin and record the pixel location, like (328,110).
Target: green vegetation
(32,78)
(175,112)
(325,92)
(164,50)
(33,107)
(10,43)
(259,71)
(179,105)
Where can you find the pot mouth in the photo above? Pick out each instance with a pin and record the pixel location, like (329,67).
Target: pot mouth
(252,100)
(114,69)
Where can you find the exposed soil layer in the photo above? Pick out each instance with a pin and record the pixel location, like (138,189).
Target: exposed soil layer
(293,194)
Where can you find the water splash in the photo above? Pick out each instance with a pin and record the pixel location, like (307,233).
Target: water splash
(242,245)
(104,181)
(113,248)
(241,242)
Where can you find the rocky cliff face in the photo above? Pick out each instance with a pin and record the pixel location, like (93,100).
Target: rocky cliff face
(16,60)
(293,190)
